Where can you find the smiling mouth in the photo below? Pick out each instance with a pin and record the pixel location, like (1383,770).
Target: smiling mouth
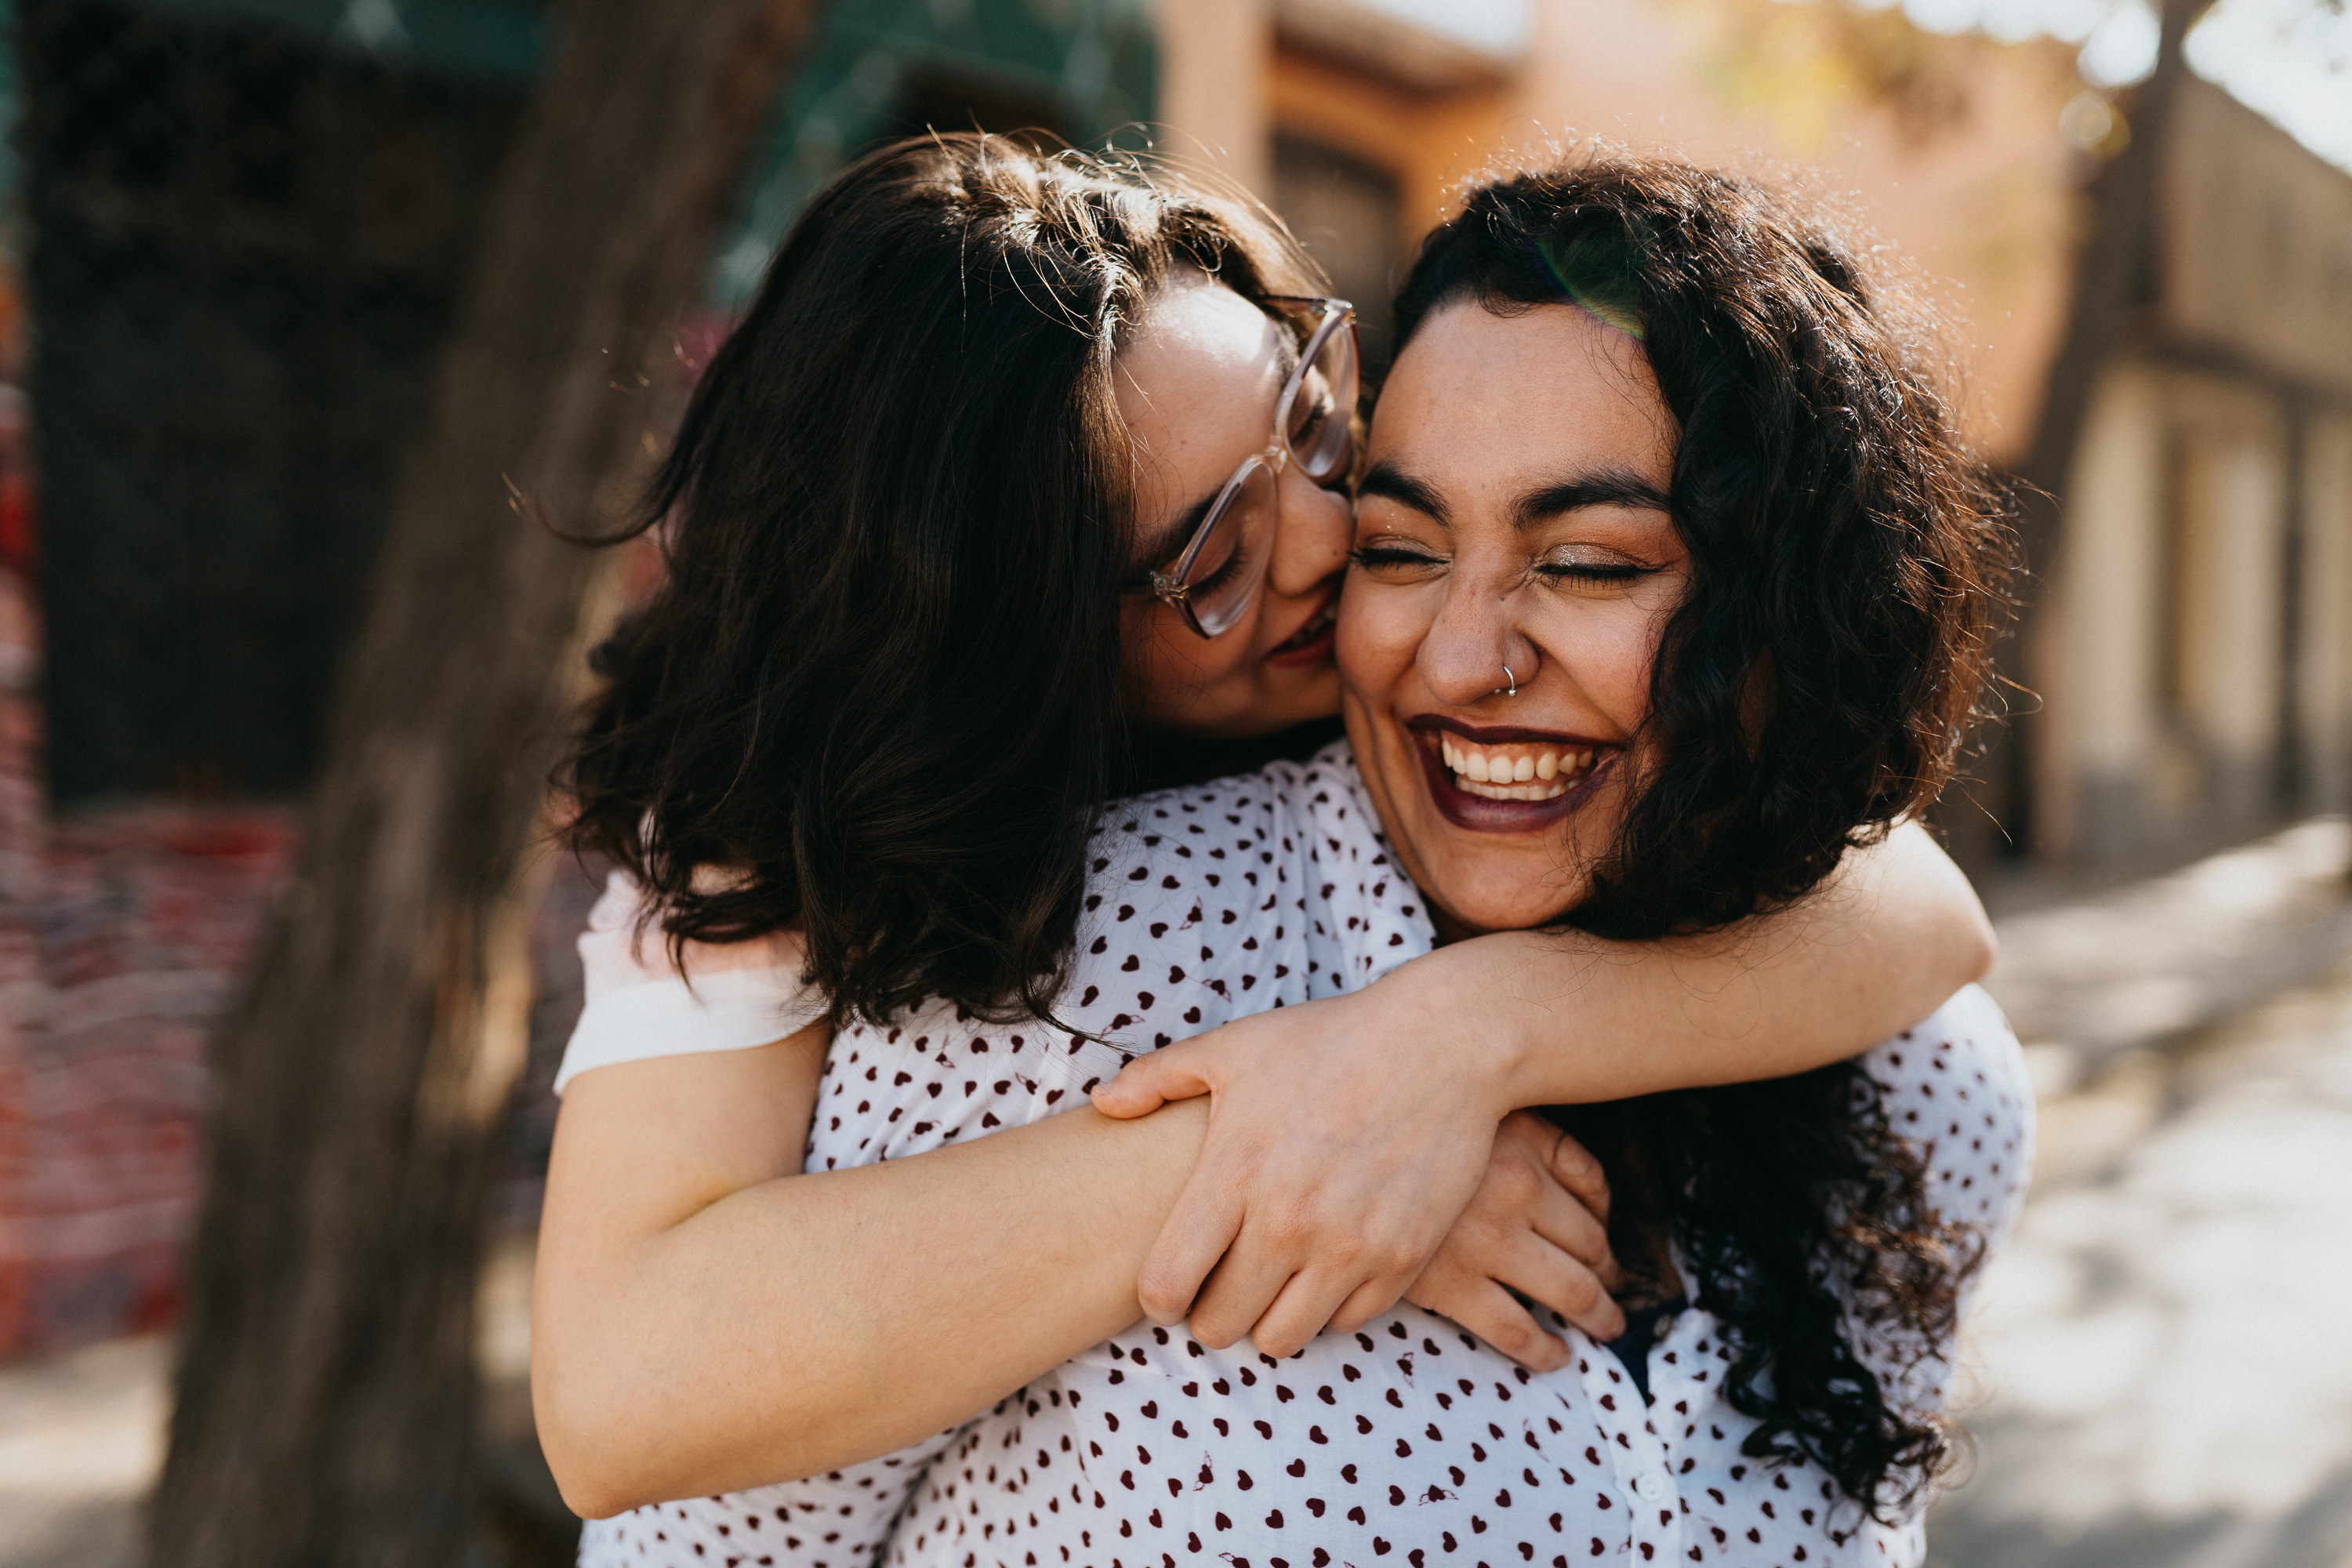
(1507,779)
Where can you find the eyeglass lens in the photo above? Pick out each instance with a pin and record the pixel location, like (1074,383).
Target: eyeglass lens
(1224,576)
(1321,415)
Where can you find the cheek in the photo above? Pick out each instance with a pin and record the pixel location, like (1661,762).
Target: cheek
(1623,681)
(1380,630)
(1610,655)
(1162,680)
(1178,680)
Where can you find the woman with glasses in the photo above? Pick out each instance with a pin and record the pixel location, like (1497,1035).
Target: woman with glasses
(880,705)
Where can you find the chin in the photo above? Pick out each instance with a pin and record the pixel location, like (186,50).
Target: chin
(1514,896)
(1496,859)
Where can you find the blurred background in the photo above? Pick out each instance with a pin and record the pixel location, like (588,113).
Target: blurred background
(235,238)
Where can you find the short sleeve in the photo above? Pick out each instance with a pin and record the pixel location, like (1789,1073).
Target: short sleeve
(642,1004)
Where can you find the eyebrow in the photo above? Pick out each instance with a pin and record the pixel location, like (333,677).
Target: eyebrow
(1165,545)
(1388,481)
(1597,487)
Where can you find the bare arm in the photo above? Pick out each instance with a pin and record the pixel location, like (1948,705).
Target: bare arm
(704,1319)
(1404,1078)
(700,1325)
(1577,1020)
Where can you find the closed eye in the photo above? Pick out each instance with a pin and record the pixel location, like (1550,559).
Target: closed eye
(1594,573)
(1391,559)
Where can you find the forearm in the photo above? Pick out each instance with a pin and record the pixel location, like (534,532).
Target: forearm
(1569,1018)
(814,1322)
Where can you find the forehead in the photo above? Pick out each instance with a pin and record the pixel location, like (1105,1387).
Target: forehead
(1202,359)
(1479,400)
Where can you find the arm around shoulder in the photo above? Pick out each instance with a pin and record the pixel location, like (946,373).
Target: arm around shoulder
(1892,932)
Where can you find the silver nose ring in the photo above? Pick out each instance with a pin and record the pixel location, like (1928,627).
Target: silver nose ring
(1513,689)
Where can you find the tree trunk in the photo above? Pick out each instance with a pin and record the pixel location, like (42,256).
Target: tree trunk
(2115,282)
(325,1388)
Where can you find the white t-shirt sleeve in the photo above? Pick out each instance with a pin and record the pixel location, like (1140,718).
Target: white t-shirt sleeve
(641,1003)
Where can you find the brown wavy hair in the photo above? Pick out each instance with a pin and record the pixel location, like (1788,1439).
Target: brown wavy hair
(879,689)
(1848,562)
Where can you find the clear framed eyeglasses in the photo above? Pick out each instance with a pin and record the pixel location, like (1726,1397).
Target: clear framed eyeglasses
(1217,576)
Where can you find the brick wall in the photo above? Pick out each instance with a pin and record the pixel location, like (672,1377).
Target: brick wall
(123,934)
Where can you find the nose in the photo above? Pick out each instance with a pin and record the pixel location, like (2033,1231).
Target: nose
(1312,535)
(1474,637)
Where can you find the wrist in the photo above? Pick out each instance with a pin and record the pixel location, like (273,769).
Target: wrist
(1488,1041)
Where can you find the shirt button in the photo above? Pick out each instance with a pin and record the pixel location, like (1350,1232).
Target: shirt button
(1652,1486)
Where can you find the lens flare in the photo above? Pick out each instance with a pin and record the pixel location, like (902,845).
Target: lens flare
(1600,273)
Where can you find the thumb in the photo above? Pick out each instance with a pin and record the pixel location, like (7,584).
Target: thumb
(1148,1082)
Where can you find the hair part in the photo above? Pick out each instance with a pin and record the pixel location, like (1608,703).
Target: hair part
(878,695)
(1848,559)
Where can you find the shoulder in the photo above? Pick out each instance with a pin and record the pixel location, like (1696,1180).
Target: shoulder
(1367,915)
(1955,1084)
(1193,903)
(643,1000)
(1183,842)
(624,945)
(1962,1053)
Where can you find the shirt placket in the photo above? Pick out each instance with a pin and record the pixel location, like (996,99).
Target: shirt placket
(1643,1469)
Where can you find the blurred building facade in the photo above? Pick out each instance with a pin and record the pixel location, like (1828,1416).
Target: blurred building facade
(241,224)
(2197,650)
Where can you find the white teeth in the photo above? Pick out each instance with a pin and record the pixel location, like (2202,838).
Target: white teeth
(1520,775)
(1518,791)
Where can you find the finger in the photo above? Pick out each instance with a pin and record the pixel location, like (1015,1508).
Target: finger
(1369,1300)
(1542,1272)
(1561,1218)
(1236,1295)
(1573,1167)
(1492,1313)
(1301,1311)
(1202,1226)
(1151,1081)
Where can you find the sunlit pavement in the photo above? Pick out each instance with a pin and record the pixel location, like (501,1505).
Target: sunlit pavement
(2164,1352)
(81,1436)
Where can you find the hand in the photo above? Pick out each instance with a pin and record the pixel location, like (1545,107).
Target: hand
(1345,1138)
(1538,1226)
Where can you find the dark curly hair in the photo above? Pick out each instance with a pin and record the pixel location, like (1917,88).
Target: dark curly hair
(1847,564)
(877,693)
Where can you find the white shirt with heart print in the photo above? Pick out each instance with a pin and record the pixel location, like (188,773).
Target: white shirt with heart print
(1410,1442)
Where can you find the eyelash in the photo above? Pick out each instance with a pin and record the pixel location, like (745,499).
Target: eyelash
(1214,579)
(1375,556)
(1624,574)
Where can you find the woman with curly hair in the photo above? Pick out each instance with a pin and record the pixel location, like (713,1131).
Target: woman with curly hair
(1667,600)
